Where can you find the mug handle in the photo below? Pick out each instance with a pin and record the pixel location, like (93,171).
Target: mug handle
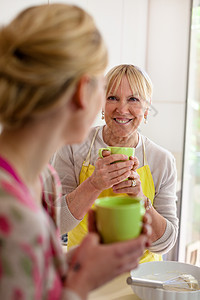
(102,149)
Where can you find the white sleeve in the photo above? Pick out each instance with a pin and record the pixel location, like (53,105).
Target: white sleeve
(67,220)
(165,204)
(63,163)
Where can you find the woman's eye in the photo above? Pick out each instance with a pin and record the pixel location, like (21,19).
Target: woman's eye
(134,99)
(111,98)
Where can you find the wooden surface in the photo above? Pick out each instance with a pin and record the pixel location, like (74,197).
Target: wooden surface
(117,289)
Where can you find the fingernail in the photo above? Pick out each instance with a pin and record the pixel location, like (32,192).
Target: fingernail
(147,244)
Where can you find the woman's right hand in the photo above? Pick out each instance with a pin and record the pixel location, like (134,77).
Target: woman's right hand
(94,264)
(107,173)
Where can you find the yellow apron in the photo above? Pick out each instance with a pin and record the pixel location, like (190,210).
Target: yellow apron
(76,235)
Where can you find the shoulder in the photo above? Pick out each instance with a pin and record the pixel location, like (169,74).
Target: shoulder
(162,165)
(9,201)
(69,150)
(157,151)
(17,210)
(161,161)
(15,194)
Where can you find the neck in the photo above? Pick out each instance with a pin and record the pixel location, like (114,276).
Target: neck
(112,140)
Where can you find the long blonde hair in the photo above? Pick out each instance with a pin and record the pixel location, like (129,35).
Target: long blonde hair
(44,51)
(138,79)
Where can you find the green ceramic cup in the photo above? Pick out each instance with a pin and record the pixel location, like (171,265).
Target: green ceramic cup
(118,150)
(119,218)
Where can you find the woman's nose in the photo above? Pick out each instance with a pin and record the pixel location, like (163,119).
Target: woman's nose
(122,107)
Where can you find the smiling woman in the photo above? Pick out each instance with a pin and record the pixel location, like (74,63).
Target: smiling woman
(128,101)
(128,97)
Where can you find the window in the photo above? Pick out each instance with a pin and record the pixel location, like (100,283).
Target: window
(189,246)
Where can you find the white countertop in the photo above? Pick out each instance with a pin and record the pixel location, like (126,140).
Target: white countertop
(116,289)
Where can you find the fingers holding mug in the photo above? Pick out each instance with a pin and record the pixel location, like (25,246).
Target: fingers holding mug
(131,186)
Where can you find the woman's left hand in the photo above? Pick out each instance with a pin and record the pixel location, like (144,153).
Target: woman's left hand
(132,186)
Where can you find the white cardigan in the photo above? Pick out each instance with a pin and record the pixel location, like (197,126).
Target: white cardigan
(68,162)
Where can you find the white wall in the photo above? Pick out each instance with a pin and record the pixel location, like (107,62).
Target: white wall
(9,8)
(167,59)
(152,34)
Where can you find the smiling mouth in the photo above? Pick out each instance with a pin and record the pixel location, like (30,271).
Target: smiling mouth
(122,121)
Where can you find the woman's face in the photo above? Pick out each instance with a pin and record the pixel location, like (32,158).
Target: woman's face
(123,110)
(79,122)
(95,100)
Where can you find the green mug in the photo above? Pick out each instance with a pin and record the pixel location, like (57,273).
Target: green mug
(118,150)
(129,151)
(119,218)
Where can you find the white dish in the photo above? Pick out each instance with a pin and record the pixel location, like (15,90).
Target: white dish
(161,271)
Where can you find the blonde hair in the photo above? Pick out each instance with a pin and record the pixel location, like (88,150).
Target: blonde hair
(44,52)
(138,79)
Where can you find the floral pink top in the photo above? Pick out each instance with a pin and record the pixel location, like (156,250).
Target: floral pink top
(31,259)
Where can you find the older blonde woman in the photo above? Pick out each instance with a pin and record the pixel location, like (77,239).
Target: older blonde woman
(128,97)
(52,59)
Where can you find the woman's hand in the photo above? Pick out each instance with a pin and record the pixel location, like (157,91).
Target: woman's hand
(132,186)
(94,264)
(107,173)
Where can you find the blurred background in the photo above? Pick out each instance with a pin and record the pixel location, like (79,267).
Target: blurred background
(162,37)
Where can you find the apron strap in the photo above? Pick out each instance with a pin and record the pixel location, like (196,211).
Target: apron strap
(144,153)
(87,160)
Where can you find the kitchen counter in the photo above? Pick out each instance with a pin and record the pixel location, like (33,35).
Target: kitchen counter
(117,289)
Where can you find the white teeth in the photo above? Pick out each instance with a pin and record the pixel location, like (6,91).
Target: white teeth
(122,121)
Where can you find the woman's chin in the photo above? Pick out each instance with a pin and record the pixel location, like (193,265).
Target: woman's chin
(122,130)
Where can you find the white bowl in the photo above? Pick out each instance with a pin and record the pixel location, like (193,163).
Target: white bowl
(166,270)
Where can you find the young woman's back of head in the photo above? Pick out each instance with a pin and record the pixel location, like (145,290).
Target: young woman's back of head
(52,59)
(44,52)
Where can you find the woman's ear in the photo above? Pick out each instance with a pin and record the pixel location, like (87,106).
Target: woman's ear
(79,98)
(146,113)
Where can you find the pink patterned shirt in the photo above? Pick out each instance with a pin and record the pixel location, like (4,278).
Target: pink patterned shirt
(31,259)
